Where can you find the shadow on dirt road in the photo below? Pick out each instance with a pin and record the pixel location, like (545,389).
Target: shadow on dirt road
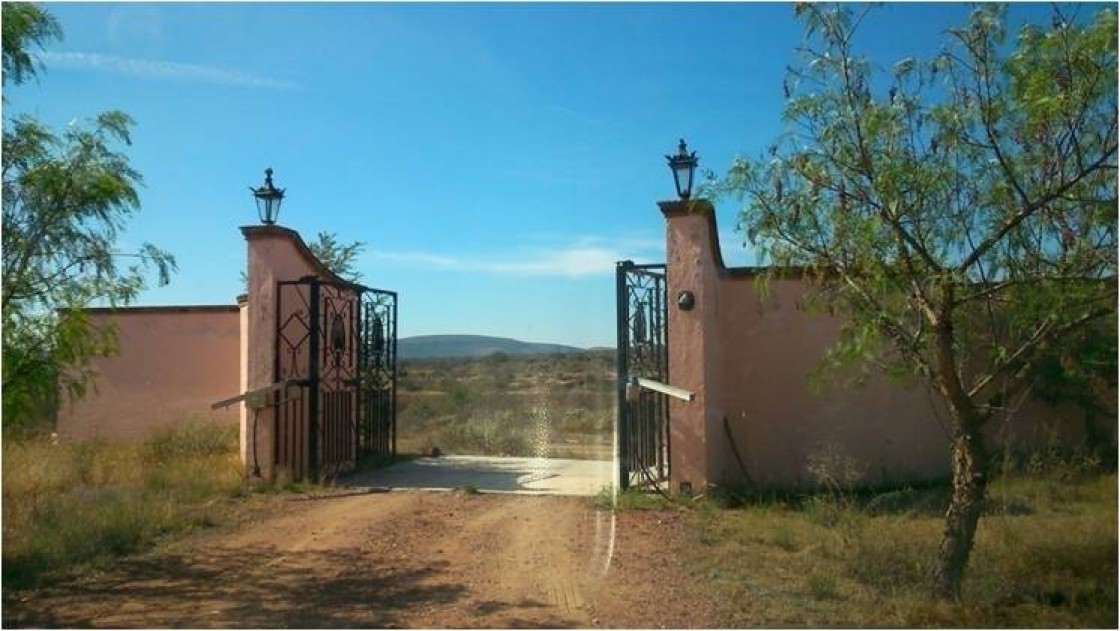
(526,476)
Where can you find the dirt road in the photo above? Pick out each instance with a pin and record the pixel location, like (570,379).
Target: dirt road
(394,560)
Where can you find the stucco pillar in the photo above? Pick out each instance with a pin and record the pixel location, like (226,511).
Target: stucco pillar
(259,347)
(243,372)
(693,342)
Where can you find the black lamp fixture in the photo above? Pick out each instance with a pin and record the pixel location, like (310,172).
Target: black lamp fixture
(268,199)
(683,166)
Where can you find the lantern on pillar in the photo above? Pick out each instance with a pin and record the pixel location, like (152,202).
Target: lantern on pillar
(268,199)
(683,166)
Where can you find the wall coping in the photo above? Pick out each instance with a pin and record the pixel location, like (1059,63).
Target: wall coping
(321,270)
(162,309)
(683,208)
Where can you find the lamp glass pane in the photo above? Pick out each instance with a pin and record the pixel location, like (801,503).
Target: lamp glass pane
(684,179)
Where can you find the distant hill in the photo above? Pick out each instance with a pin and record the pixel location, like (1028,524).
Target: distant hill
(433,346)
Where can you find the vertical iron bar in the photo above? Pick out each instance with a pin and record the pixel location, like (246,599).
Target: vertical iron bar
(393,392)
(661,412)
(299,439)
(665,366)
(329,458)
(313,376)
(622,316)
(301,432)
(291,416)
(360,364)
(295,466)
(276,409)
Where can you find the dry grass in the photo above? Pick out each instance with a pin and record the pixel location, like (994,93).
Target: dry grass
(70,505)
(559,406)
(1045,556)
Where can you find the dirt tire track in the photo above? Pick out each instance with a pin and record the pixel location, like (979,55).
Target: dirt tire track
(374,560)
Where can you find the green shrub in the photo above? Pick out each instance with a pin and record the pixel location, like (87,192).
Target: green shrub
(785,539)
(823,587)
(191,440)
(630,499)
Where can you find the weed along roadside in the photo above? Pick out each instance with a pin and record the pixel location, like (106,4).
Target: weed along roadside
(1046,554)
(72,507)
(86,523)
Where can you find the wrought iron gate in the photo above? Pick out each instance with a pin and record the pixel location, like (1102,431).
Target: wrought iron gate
(643,351)
(377,433)
(336,344)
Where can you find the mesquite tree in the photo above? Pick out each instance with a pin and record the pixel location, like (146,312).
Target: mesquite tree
(340,258)
(959,213)
(66,197)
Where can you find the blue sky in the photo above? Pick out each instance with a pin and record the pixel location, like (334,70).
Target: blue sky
(495,158)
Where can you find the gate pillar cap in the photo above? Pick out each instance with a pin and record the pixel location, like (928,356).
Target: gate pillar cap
(682,207)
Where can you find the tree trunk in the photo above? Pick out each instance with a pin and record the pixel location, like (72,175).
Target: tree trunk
(969,462)
(969,487)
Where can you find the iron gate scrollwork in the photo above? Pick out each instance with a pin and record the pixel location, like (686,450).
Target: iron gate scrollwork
(378,429)
(643,351)
(336,343)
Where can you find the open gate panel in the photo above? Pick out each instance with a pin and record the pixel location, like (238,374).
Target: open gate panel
(338,343)
(643,351)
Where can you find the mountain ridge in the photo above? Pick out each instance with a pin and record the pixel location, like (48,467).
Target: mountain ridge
(452,345)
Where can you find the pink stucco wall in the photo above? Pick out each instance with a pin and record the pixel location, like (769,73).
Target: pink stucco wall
(887,430)
(748,359)
(173,362)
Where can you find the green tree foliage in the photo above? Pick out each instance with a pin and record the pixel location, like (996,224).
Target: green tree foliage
(959,213)
(65,199)
(340,258)
(1082,371)
(24,25)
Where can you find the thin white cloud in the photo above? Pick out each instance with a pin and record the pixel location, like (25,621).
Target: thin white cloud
(572,263)
(638,241)
(420,259)
(160,69)
(639,244)
(576,261)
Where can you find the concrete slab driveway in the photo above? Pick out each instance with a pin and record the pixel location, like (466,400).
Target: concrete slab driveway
(527,476)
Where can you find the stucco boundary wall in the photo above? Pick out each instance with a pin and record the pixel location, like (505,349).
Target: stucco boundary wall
(747,358)
(171,364)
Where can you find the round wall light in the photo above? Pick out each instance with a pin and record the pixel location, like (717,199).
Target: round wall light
(686,300)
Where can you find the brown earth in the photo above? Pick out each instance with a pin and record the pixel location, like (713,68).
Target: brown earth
(397,560)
